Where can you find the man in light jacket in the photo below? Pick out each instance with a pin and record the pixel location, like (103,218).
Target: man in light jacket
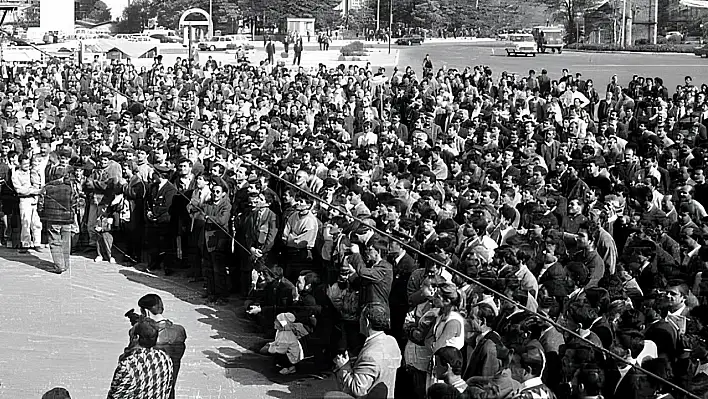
(373,375)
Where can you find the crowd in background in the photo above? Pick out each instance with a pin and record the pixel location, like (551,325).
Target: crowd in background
(350,207)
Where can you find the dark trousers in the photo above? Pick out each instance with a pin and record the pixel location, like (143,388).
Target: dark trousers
(347,337)
(160,245)
(294,261)
(60,244)
(196,248)
(215,264)
(297,58)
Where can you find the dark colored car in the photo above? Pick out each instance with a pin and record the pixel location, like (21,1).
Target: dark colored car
(408,40)
(701,51)
(166,39)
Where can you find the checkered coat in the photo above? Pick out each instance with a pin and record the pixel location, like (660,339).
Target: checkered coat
(142,374)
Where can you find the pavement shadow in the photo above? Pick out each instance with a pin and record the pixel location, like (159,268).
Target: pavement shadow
(228,322)
(236,362)
(28,259)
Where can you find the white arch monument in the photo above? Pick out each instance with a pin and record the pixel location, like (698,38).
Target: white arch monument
(189,28)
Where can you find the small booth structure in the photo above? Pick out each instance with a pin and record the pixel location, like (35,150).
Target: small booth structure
(132,51)
(301,26)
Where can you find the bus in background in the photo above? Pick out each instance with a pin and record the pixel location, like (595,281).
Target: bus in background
(549,37)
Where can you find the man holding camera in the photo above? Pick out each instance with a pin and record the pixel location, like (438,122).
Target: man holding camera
(143,372)
(170,338)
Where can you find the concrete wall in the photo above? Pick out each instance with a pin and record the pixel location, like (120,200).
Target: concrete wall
(56,15)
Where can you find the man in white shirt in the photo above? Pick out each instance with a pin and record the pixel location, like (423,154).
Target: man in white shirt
(31,233)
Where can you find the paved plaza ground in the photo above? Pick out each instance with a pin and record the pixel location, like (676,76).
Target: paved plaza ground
(68,330)
(597,66)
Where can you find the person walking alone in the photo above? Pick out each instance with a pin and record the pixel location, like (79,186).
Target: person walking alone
(58,211)
(298,50)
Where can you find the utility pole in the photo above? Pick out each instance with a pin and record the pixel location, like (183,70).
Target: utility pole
(656,21)
(378,16)
(211,18)
(390,24)
(624,22)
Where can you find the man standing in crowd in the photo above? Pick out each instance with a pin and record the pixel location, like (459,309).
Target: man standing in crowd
(143,372)
(28,190)
(160,237)
(374,372)
(58,211)
(170,337)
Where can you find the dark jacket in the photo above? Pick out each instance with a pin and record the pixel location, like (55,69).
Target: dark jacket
(482,361)
(159,201)
(217,224)
(171,340)
(374,282)
(58,202)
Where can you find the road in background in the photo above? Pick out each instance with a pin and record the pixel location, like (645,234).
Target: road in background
(600,67)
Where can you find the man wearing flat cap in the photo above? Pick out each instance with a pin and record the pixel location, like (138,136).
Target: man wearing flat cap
(158,233)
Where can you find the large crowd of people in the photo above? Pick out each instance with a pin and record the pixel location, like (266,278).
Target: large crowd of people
(356,211)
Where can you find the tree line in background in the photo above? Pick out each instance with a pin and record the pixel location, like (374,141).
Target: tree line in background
(432,15)
(482,16)
(91,10)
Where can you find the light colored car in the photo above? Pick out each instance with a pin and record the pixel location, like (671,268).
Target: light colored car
(674,34)
(521,44)
(240,41)
(216,43)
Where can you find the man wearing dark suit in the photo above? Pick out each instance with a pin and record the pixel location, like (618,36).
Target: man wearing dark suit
(663,333)
(374,281)
(298,50)
(373,375)
(260,228)
(399,129)
(544,82)
(217,242)
(605,107)
(270,50)
(159,233)
(628,170)
(482,361)
(403,267)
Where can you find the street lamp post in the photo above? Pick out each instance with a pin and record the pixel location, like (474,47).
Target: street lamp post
(578,15)
(390,24)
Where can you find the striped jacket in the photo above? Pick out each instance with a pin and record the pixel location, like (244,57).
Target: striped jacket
(142,374)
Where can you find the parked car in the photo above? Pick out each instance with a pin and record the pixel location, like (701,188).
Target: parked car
(701,51)
(166,39)
(408,40)
(240,41)
(674,34)
(216,43)
(521,44)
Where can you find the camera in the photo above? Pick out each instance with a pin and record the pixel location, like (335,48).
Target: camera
(132,316)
